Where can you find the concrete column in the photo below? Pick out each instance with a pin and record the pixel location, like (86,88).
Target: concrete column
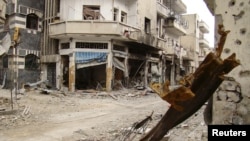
(72,71)
(58,74)
(109,68)
(146,71)
(172,72)
(72,68)
(161,68)
(126,73)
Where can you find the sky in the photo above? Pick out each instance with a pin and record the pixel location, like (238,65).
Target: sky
(199,7)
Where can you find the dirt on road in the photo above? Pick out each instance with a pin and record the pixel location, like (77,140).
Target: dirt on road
(86,116)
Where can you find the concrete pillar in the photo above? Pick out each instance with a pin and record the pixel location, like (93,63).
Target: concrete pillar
(72,71)
(72,68)
(146,71)
(126,73)
(172,72)
(109,68)
(162,68)
(58,74)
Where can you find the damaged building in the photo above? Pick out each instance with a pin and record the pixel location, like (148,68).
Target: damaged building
(21,39)
(112,43)
(100,44)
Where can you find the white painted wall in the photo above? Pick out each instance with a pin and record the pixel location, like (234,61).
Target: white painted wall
(234,15)
(72,10)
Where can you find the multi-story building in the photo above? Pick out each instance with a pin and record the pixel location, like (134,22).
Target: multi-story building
(194,42)
(20,62)
(171,26)
(85,44)
(92,42)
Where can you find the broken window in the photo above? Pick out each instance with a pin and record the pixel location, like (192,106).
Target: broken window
(31,61)
(115,18)
(123,17)
(147,25)
(91,12)
(32,21)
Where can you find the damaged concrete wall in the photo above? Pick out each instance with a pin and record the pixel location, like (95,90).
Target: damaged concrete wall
(231,104)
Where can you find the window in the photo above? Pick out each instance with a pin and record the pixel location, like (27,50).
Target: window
(5,61)
(32,21)
(123,17)
(147,25)
(31,61)
(115,18)
(65,45)
(91,12)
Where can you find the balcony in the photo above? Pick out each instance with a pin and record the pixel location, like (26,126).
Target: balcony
(67,29)
(203,27)
(203,43)
(188,55)
(177,6)
(169,50)
(176,26)
(162,9)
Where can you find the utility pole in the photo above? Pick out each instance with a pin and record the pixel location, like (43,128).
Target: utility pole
(16,40)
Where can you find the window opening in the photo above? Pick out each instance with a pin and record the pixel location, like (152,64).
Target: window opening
(32,21)
(31,62)
(91,45)
(147,25)
(91,12)
(5,61)
(123,17)
(115,18)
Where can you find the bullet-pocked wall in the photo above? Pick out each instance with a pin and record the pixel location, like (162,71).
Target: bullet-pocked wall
(231,103)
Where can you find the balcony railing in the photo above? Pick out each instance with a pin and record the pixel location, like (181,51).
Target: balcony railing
(188,54)
(176,25)
(177,6)
(203,42)
(203,27)
(89,27)
(162,9)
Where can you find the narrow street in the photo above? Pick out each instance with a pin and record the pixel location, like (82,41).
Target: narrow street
(58,117)
(81,116)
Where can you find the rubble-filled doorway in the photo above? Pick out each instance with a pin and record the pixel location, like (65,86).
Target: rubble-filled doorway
(91,77)
(136,72)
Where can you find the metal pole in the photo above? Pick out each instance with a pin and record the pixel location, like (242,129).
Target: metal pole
(16,75)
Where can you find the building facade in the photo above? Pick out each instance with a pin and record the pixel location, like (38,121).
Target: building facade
(20,62)
(90,43)
(96,43)
(194,42)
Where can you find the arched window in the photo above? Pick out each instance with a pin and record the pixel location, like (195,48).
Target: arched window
(31,61)
(32,21)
